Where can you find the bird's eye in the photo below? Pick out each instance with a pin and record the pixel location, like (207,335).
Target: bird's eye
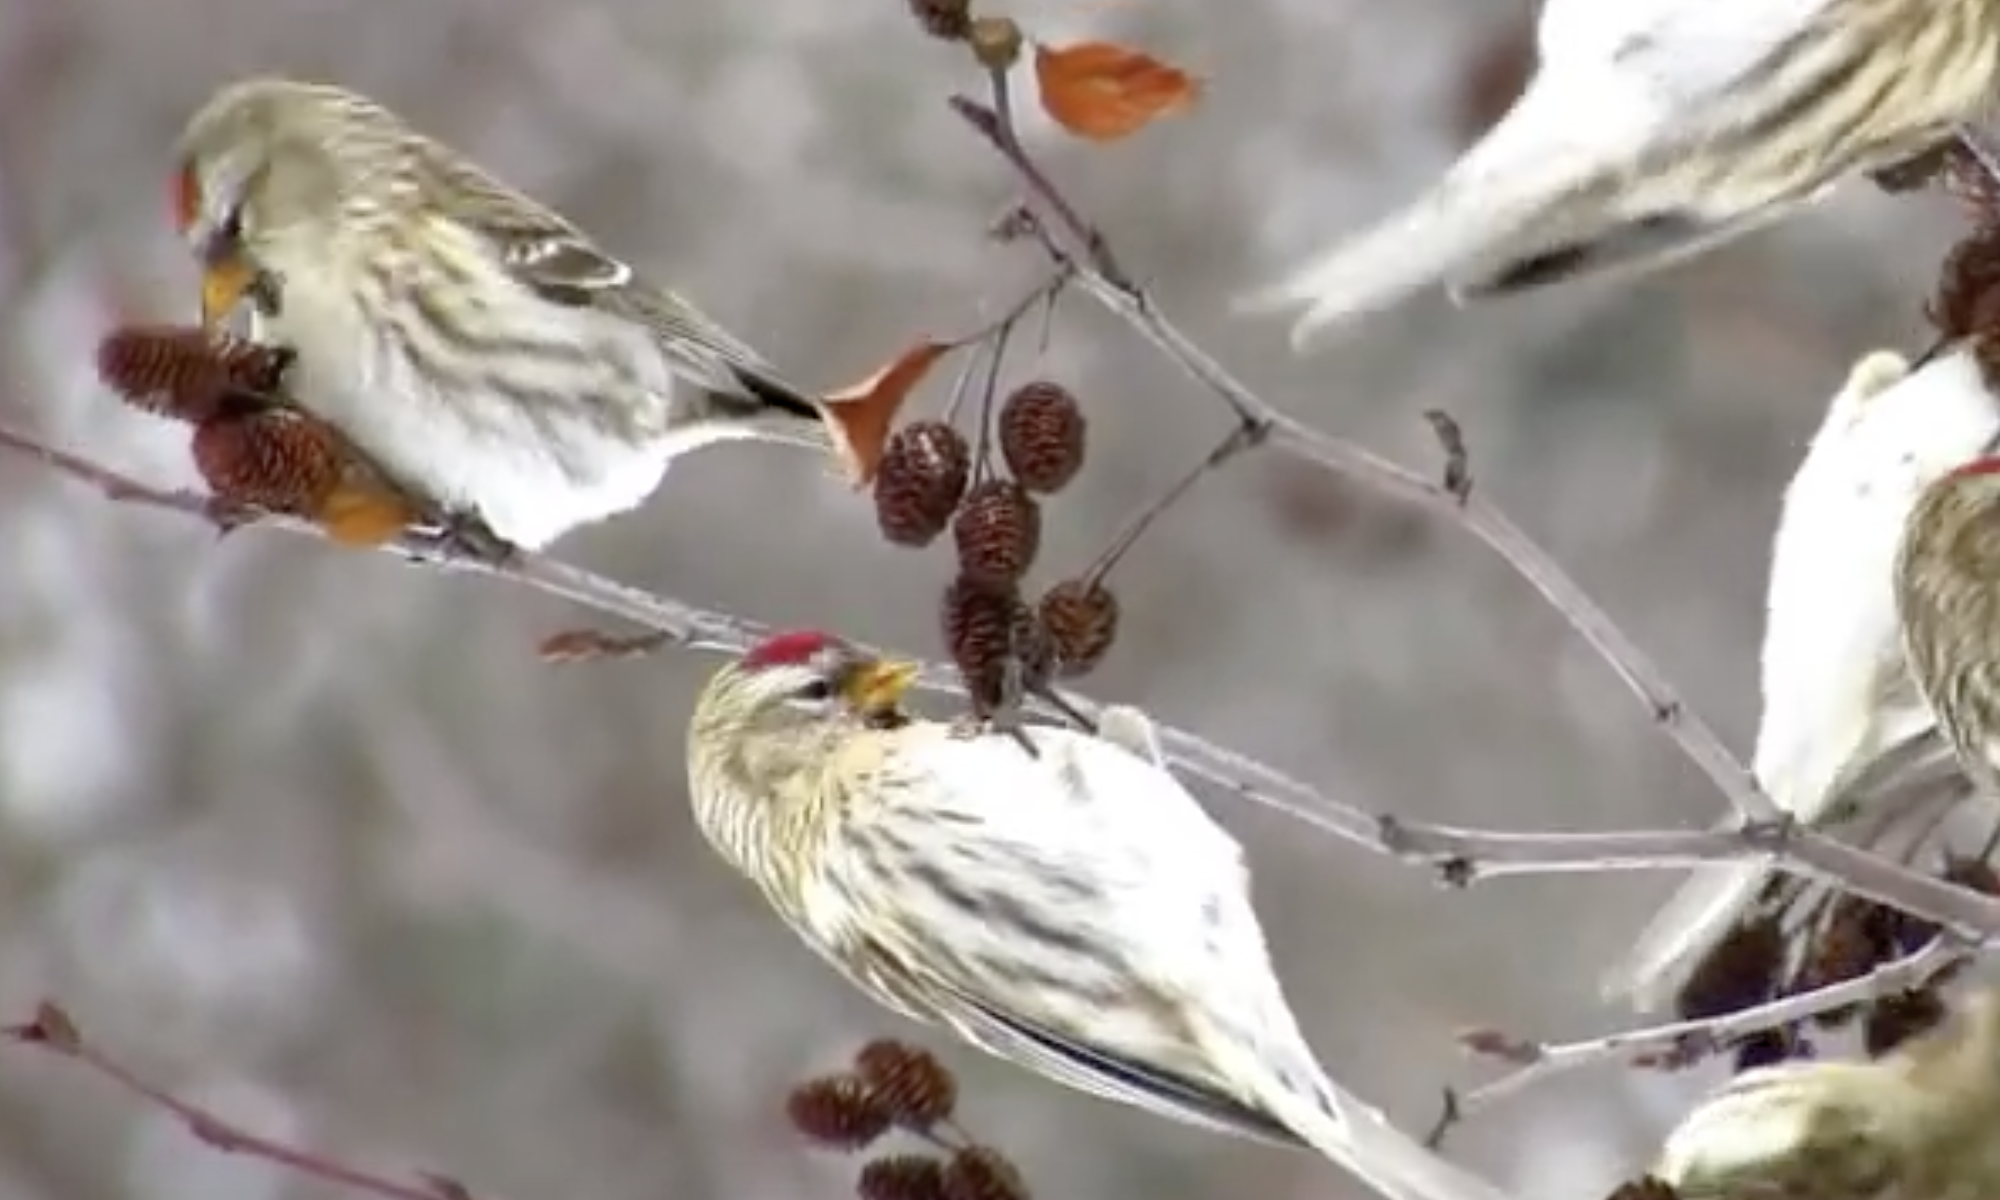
(818,689)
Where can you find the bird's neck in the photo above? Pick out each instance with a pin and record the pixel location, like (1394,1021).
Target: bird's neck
(763,796)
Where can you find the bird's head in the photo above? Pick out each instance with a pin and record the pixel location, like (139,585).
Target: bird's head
(804,677)
(766,730)
(265,165)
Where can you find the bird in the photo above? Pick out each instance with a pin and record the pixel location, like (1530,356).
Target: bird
(1915,1124)
(1653,131)
(1066,906)
(1948,602)
(484,351)
(1838,695)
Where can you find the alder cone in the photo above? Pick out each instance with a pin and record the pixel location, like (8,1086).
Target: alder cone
(902,1177)
(907,1080)
(186,373)
(1042,436)
(978,625)
(982,1173)
(837,1111)
(1082,623)
(1967,299)
(1893,1020)
(998,531)
(948,20)
(920,481)
(277,460)
(1742,970)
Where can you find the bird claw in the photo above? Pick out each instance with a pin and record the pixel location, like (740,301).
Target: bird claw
(464,535)
(228,516)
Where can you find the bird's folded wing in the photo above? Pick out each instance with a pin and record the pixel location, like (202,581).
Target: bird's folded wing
(1092,1069)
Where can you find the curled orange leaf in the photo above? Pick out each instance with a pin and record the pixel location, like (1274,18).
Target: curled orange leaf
(859,417)
(1103,91)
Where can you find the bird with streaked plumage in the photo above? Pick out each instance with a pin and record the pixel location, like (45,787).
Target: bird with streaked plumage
(1657,130)
(1072,910)
(483,350)
(1917,1124)
(1845,729)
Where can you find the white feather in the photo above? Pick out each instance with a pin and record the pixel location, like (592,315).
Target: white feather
(1836,689)
(1621,86)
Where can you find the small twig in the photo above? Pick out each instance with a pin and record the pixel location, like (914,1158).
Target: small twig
(1682,1042)
(1103,277)
(1238,440)
(52,1030)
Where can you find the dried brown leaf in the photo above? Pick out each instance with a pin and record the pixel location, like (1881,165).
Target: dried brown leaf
(859,417)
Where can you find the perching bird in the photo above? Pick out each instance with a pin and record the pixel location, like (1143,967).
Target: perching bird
(1072,910)
(1837,692)
(1655,130)
(1948,598)
(1916,1124)
(475,344)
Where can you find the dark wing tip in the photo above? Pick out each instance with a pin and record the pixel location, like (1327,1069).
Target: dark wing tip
(777,396)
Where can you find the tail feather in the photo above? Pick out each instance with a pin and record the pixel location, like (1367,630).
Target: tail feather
(1626,251)
(1457,223)
(1693,920)
(1355,1136)
(1507,198)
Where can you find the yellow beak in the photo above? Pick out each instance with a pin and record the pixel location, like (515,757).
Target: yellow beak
(224,283)
(879,685)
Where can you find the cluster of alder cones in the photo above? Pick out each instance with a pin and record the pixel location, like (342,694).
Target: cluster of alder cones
(931,479)
(1755,965)
(896,1086)
(995,41)
(256,452)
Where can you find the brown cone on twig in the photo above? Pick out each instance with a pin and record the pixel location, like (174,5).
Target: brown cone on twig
(280,460)
(185,373)
(920,481)
(1893,1020)
(838,1111)
(998,532)
(276,459)
(1966,302)
(1081,617)
(909,1081)
(1740,972)
(902,1177)
(978,625)
(983,1173)
(1042,433)
(946,20)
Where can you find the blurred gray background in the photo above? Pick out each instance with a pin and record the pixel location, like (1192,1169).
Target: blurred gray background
(312,837)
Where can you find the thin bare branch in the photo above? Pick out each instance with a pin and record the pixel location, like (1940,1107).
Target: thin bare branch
(1684,1041)
(1105,278)
(52,1030)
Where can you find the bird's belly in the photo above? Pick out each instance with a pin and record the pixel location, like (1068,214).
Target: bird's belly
(530,471)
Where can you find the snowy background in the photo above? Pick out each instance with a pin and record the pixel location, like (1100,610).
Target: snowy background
(312,836)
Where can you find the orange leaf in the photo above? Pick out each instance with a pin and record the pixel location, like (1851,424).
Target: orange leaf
(1104,91)
(859,417)
(363,516)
